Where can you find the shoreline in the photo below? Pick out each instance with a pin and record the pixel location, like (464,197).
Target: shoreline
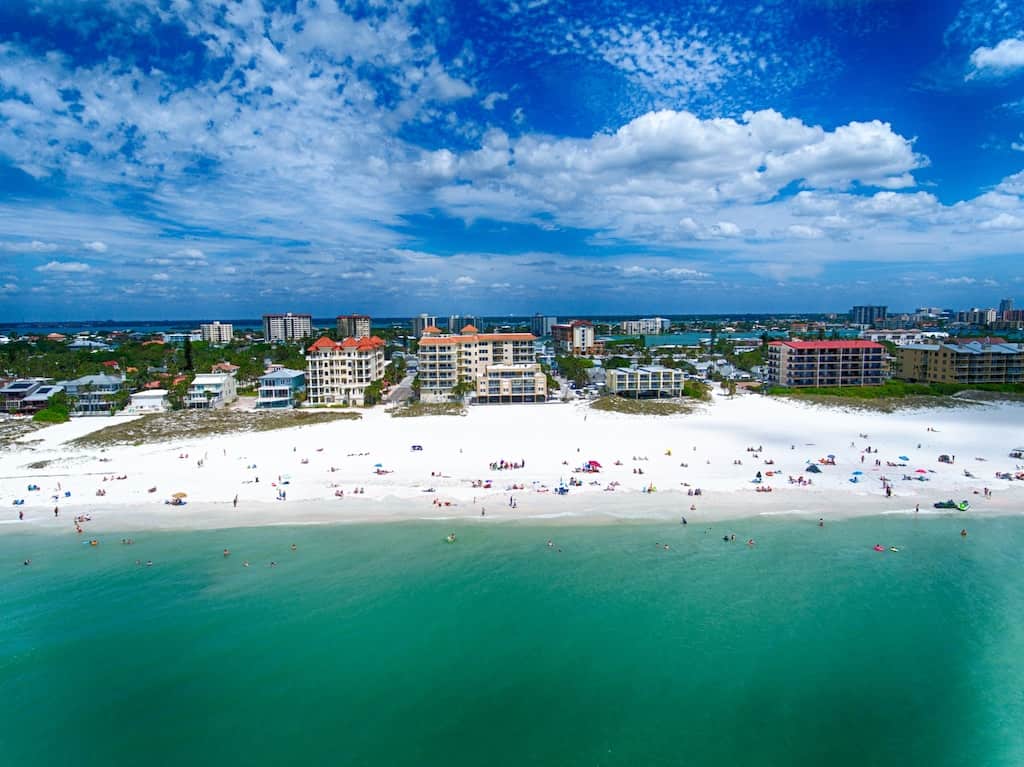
(550,511)
(380,469)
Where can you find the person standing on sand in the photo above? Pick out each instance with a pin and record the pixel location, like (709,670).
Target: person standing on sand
(235,502)
(56,511)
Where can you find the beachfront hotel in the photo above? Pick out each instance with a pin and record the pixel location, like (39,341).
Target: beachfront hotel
(985,361)
(646,381)
(800,364)
(287,327)
(650,326)
(353,326)
(576,337)
(338,372)
(217,332)
(498,367)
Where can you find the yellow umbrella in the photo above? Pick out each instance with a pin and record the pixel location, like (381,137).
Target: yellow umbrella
(180,495)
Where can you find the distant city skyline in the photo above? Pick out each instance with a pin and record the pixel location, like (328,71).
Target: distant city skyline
(573,158)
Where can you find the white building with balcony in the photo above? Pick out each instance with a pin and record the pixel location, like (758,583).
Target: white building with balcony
(337,373)
(211,390)
(217,332)
(646,381)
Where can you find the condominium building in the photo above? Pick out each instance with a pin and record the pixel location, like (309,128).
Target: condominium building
(421,323)
(650,326)
(498,367)
(1005,307)
(541,326)
(826,363)
(353,326)
(211,390)
(903,337)
(576,337)
(647,381)
(868,315)
(287,327)
(338,372)
(458,321)
(989,360)
(976,316)
(217,332)
(279,388)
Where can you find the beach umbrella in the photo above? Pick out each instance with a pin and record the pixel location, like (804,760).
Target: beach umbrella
(921,471)
(180,495)
(594,463)
(904,458)
(858,472)
(830,456)
(378,465)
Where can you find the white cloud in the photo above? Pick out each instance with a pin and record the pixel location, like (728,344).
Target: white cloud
(491,100)
(96,246)
(35,246)
(64,267)
(805,232)
(1005,58)
(160,276)
(1004,221)
(464,281)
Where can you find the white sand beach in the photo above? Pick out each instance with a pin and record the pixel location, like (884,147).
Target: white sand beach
(367,470)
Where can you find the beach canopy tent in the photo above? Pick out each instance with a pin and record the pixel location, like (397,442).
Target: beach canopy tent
(813,468)
(858,473)
(180,495)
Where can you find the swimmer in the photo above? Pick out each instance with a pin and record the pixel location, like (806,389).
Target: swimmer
(551,543)
(750,541)
(963,533)
(245,563)
(821,522)
(149,563)
(273,564)
(666,547)
(227,552)
(294,547)
(27,562)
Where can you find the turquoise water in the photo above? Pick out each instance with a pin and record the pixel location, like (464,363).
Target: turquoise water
(381,645)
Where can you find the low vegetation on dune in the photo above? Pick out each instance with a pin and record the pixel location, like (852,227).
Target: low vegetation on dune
(416,409)
(616,404)
(901,395)
(188,424)
(13,429)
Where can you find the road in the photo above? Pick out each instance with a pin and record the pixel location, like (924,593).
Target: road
(402,391)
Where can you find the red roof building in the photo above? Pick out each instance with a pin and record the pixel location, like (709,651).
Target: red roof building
(819,364)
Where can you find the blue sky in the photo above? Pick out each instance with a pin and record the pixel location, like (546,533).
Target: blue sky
(180,158)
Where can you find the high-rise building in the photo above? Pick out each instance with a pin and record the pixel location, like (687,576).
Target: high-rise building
(217,332)
(337,373)
(498,367)
(287,327)
(576,337)
(540,325)
(826,363)
(1005,306)
(421,323)
(868,315)
(353,325)
(650,326)
(457,322)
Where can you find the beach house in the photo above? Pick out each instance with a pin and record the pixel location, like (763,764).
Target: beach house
(211,390)
(147,401)
(338,372)
(280,388)
(493,367)
(826,363)
(94,394)
(27,395)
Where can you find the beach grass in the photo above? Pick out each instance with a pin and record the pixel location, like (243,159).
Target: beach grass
(189,424)
(13,429)
(417,409)
(616,404)
(895,395)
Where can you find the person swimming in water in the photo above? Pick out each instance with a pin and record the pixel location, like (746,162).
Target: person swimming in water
(963,533)
(245,563)
(227,553)
(294,547)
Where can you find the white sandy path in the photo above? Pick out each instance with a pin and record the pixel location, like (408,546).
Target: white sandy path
(461,448)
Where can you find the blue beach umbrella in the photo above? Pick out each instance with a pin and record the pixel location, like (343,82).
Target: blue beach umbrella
(858,472)
(904,458)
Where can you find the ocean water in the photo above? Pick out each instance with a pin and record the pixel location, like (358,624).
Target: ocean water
(383,645)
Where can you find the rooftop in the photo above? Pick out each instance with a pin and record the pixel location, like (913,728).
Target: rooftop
(478,338)
(828,345)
